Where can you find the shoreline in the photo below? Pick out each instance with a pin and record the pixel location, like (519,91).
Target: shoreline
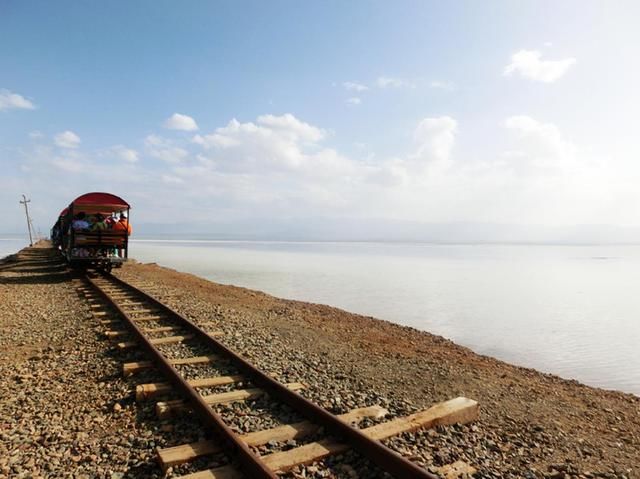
(383,323)
(546,339)
(531,424)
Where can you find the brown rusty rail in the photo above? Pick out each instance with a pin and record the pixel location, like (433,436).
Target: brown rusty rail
(248,461)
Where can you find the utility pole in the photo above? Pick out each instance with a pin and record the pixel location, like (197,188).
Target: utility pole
(26,210)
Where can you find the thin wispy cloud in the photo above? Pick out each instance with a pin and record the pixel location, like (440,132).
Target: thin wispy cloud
(393,82)
(441,85)
(67,139)
(529,64)
(69,165)
(354,100)
(14,101)
(354,86)
(164,149)
(125,154)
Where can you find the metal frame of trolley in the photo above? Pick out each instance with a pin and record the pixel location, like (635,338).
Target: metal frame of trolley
(102,248)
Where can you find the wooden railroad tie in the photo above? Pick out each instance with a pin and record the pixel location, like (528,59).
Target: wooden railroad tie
(164,329)
(131,368)
(166,408)
(148,318)
(157,341)
(143,310)
(107,322)
(114,334)
(173,456)
(149,390)
(459,410)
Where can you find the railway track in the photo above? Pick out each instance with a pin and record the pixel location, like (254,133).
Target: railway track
(135,319)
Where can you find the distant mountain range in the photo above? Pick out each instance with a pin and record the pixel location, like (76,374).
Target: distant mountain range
(322,229)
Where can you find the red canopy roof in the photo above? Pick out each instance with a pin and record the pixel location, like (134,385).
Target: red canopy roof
(63,212)
(96,201)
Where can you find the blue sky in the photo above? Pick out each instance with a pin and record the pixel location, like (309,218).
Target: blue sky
(493,112)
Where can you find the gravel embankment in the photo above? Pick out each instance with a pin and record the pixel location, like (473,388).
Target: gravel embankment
(64,410)
(531,425)
(67,412)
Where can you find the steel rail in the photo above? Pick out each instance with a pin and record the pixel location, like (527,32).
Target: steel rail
(247,460)
(387,459)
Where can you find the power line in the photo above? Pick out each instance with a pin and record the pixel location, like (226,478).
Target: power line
(26,211)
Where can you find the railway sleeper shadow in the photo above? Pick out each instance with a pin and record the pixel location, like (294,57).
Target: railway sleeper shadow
(179,429)
(52,277)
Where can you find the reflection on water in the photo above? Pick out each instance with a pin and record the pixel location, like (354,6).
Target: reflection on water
(569,310)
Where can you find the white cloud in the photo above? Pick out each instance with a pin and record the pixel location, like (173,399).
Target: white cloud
(354,86)
(271,144)
(560,182)
(67,139)
(156,141)
(434,139)
(164,149)
(10,101)
(281,156)
(441,85)
(125,154)
(289,126)
(69,165)
(543,143)
(71,161)
(215,140)
(35,135)
(529,64)
(270,128)
(391,82)
(431,158)
(279,166)
(546,134)
(354,100)
(177,121)
(172,179)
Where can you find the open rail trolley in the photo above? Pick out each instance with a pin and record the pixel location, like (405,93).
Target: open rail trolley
(83,241)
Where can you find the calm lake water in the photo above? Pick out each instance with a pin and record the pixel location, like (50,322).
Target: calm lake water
(568,310)
(12,245)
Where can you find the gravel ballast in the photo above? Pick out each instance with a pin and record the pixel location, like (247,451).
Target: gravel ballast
(66,411)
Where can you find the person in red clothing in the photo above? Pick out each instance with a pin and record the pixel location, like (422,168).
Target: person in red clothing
(123,224)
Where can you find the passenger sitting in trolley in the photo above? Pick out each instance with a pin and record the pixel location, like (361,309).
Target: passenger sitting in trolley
(99,223)
(123,224)
(80,222)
